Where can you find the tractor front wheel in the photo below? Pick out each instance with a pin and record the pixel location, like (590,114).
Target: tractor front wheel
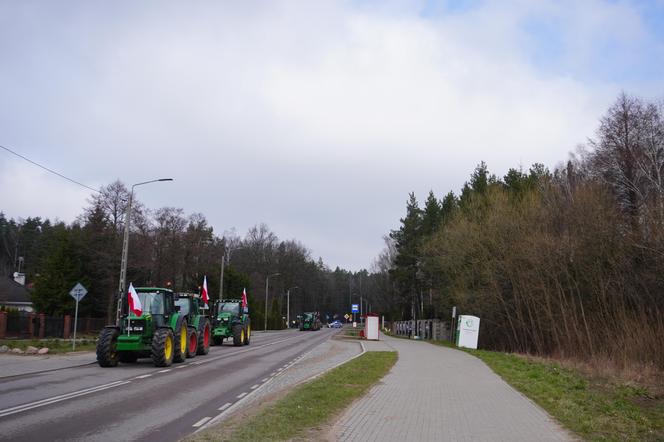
(163,347)
(204,338)
(238,335)
(192,343)
(247,334)
(107,354)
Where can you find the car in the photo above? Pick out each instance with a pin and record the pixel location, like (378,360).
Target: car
(336,324)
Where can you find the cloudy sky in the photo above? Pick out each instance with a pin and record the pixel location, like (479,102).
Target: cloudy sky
(314,117)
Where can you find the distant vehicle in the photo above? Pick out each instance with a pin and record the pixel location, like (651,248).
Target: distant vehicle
(336,324)
(310,321)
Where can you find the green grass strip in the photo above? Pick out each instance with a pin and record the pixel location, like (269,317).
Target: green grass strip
(54,345)
(593,408)
(311,404)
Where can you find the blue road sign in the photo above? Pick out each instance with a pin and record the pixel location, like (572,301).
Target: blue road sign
(356,308)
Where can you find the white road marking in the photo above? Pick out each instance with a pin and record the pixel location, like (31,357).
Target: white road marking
(225,406)
(264,380)
(164,371)
(181,366)
(255,386)
(273,373)
(241,395)
(143,376)
(201,422)
(62,397)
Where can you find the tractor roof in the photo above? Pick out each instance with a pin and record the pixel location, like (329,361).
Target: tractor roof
(152,289)
(231,300)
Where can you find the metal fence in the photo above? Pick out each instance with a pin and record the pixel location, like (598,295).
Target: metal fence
(30,325)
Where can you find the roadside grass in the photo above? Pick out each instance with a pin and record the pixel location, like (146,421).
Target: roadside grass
(307,406)
(54,345)
(595,408)
(352,332)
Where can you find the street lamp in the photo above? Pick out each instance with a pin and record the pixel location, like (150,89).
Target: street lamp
(225,261)
(288,304)
(125,247)
(267,286)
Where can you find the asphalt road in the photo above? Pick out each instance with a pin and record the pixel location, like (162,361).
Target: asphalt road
(142,402)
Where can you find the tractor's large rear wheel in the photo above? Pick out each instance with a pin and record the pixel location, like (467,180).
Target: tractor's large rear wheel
(163,347)
(192,342)
(247,333)
(107,354)
(238,335)
(204,338)
(181,336)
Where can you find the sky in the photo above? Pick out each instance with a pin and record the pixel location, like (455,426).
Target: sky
(316,118)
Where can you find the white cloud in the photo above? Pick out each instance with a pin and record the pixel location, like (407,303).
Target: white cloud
(317,118)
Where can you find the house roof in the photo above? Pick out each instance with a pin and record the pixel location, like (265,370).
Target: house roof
(12,292)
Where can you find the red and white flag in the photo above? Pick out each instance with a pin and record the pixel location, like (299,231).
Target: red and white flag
(204,294)
(244,298)
(134,301)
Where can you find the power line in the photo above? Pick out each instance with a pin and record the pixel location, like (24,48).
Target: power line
(47,169)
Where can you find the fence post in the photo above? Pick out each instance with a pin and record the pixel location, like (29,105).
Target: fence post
(42,325)
(3,324)
(31,325)
(67,327)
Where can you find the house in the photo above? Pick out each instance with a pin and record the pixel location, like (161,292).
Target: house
(14,295)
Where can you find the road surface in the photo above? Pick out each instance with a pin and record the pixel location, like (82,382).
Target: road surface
(142,402)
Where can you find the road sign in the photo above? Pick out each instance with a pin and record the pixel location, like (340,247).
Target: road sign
(355,308)
(347,316)
(454,312)
(78,292)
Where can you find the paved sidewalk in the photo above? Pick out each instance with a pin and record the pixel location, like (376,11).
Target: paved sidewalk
(14,365)
(441,394)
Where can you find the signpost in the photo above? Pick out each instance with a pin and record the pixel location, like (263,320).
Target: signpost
(78,293)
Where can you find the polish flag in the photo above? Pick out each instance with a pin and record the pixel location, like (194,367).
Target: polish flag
(134,301)
(205,292)
(244,298)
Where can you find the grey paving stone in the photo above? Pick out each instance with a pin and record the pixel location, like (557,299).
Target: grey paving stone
(441,394)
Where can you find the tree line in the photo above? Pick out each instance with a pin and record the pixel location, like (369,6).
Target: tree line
(568,262)
(169,248)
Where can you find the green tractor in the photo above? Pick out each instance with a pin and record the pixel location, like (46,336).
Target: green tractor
(160,332)
(231,321)
(198,338)
(310,321)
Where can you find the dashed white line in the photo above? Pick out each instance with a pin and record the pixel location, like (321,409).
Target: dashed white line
(52,400)
(164,371)
(241,395)
(255,386)
(201,422)
(273,373)
(181,366)
(264,380)
(143,376)
(225,406)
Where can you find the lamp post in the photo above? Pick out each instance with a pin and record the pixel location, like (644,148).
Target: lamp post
(225,261)
(267,286)
(288,304)
(125,247)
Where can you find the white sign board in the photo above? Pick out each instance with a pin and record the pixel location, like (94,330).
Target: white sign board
(468,330)
(78,292)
